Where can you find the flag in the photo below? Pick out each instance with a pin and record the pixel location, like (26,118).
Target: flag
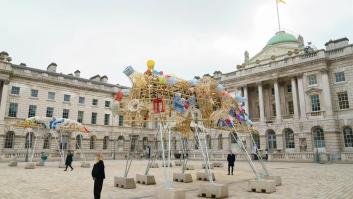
(280,1)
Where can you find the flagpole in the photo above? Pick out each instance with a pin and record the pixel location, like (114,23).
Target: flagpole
(279,24)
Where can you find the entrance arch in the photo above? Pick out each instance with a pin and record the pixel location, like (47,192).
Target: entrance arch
(271,140)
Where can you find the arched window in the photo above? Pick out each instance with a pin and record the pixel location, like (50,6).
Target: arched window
(79,139)
(319,138)
(29,140)
(271,141)
(348,137)
(209,141)
(47,141)
(105,142)
(92,142)
(289,138)
(9,140)
(120,144)
(144,143)
(256,138)
(220,142)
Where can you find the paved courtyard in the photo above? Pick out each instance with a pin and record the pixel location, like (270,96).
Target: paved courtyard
(300,180)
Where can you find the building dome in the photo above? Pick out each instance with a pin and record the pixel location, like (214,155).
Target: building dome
(281,37)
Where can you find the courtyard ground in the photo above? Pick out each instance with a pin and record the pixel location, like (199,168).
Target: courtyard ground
(300,180)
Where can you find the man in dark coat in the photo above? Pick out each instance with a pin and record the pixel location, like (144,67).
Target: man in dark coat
(231,160)
(98,176)
(68,161)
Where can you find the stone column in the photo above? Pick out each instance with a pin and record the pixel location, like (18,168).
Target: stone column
(261,102)
(245,89)
(4,95)
(295,98)
(277,101)
(301,97)
(326,93)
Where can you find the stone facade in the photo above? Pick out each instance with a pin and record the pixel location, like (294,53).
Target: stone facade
(300,98)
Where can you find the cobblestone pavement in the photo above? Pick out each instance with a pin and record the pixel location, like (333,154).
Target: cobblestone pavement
(300,180)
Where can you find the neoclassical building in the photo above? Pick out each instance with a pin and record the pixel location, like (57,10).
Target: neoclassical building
(299,97)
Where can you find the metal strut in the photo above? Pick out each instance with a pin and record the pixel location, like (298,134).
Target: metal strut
(259,156)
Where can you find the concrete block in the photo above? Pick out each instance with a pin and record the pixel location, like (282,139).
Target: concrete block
(202,176)
(217,164)
(166,164)
(145,179)
(182,177)
(154,165)
(277,179)
(211,165)
(62,165)
(85,165)
(170,193)
(40,163)
(190,167)
(323,158)
(213,190)
(125,183)
(13,164)
(262,186)
(30,165)
(177,163)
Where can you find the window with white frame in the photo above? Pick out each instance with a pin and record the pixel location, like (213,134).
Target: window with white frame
(274,109)
(312,79)
(343,100)
(15,90)
(289,88)
(32,109)
(107,104)
(289,138)
(290,108)
(94,118)
(315,103)
(340,77)
(105,142)
(80,116)
(106,119)
(66,113)
(81,100)
(319,138)
(34,93)
(51,95)
(50,112)
(95,102)
(67,98)
(348,137)
(92,142)
(9,140)
(13,110)
(46,143)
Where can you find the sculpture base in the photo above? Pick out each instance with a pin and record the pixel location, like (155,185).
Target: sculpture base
(262,186)
(190,167)
(211,165)
(182,177)
(213,190)
(202,176)
(154,165)
(217,164)
(170,193)
(145,179)
(13,164)
(30,165)
(40,163)
(125,183)
(277,179)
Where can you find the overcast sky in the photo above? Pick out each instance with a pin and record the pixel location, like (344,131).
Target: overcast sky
(184,37)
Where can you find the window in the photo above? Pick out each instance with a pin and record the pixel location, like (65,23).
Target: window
(315,103)
(256,138)
(271,141)
(51,95)
(319,139)
(92,142)
(289,88)
(290,108)
(220,142)
(67,98)
(94,118)
(79,139)
(50,112)
(121,120)
(15,90)
(34,93)
(273,91)
(32,110)
(66,113)
(29,140)
(107,104)
(9,140)
(312,79)
(106,119)
(274,109)
(46,144)
(209,141)
(343,100)
(81,100)
(105,142)
(289,137)
(13,110)
(348,137)
(340,77)
(80,116)
(95,102)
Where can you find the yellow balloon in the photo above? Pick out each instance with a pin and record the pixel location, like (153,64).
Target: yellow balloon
(150,64)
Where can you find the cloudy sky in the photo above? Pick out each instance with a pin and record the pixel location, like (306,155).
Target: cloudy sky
(184,37)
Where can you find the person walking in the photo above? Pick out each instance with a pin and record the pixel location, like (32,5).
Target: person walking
(231,160)
(68,161)
(98,176)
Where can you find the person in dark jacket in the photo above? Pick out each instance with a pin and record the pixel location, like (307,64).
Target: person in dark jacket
(68,161)
(98,176)
(231,160)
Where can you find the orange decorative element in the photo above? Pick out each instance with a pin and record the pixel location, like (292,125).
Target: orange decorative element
(118,96)
(158,105)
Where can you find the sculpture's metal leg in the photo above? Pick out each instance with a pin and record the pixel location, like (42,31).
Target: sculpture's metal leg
(167,183)
(34,147)
(260,158)
(203,152)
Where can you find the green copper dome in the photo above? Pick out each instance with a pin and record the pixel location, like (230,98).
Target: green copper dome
(281,37)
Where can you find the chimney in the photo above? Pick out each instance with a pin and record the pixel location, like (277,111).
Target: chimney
(77,73)
(4,56)
(52,67)
(104,79)
(96,78)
